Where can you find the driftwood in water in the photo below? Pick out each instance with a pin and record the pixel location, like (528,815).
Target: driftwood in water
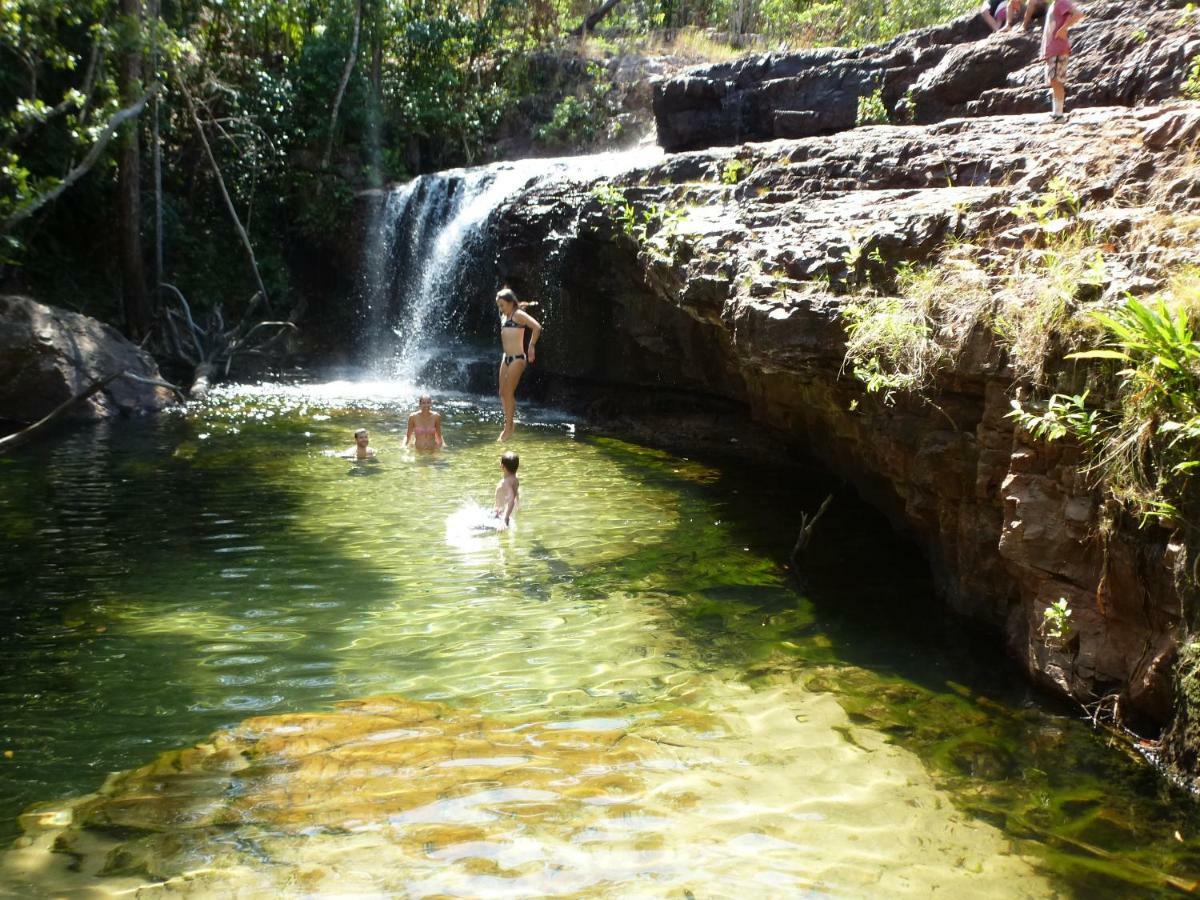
(201,382)
(806,529)
(210,348)
(25,435)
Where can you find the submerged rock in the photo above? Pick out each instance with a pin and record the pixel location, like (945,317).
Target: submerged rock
(48,355)
(386,796)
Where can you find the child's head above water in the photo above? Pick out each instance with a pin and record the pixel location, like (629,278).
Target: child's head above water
(509,462)
(361,436)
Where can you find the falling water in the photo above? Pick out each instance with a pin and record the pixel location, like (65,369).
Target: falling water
(427,258)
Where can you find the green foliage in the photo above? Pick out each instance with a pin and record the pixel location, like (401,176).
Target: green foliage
(1060,265)
(1056,620)
(1154,447)
(889,345)
(582,117)
(898,343)
(856,23)
(1145,449)
(1061,415)
(734,171)
(655,229)
(871,110)
(1191,85)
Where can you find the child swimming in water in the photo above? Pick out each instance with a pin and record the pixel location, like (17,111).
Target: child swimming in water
(361,448)
(425,427)
(507,489)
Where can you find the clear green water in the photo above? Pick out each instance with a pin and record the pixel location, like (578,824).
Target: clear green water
(163,580)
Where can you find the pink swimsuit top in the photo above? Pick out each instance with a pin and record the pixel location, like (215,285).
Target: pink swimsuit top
(428,429)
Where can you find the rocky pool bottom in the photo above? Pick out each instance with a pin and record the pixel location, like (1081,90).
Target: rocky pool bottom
(311,675)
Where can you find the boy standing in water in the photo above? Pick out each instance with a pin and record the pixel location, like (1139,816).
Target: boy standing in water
(1056,49)
(506,490)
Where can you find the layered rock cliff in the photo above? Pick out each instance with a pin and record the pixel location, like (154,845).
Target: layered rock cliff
(1121,55)
(738,291)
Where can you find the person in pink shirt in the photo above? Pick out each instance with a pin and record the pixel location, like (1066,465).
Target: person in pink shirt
(1056,49)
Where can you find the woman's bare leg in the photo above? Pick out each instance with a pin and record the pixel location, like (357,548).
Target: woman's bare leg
(510,375)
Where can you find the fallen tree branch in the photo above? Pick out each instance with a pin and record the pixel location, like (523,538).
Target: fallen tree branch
(27,434)
(119,118)
(806,528)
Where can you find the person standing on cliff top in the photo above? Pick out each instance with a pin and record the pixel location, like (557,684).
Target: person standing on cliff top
(1056,49)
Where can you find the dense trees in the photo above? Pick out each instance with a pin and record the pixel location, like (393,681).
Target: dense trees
(148,140)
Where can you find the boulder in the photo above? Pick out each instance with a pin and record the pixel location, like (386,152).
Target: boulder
(48,355)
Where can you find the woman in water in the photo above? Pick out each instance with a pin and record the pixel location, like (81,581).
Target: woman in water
(513,322)
(425,427)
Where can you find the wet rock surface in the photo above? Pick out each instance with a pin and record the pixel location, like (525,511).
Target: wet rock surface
(1122,55)
(740,299)
(48,355)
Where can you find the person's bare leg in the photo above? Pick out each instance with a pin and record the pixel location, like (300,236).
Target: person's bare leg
(501,381)
(510,375)
(1058,98)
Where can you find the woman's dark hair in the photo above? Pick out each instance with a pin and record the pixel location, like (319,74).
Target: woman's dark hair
(510,460)
(508,295)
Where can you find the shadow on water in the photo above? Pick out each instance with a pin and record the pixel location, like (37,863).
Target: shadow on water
(868,628)
(124,548)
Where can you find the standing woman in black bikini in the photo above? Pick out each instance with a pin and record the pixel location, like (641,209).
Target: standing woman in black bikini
(513,322)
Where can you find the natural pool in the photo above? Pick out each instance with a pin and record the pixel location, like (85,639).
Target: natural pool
(626,695)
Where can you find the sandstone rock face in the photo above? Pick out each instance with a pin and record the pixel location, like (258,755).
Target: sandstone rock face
(48,355)
(741,298)
(1122,55)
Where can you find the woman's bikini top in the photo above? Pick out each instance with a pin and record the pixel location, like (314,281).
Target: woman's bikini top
(428,429)
(509,323)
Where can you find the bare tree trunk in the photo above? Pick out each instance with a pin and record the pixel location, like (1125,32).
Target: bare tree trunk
(158,196)
(138,315)
(595,18)
(212,160)
(341,91)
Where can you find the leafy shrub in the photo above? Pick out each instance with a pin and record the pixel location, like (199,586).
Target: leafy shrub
(733,171)
(1191,86)
(654,229)
(898,343)
(1145,447)
(871,110)
(581,118)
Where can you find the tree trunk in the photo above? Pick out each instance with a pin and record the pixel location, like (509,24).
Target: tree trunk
(594,19)
(229,207)
(156,290)
(138,315)
(341,91)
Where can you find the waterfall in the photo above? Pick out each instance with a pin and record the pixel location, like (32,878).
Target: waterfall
(426,255)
